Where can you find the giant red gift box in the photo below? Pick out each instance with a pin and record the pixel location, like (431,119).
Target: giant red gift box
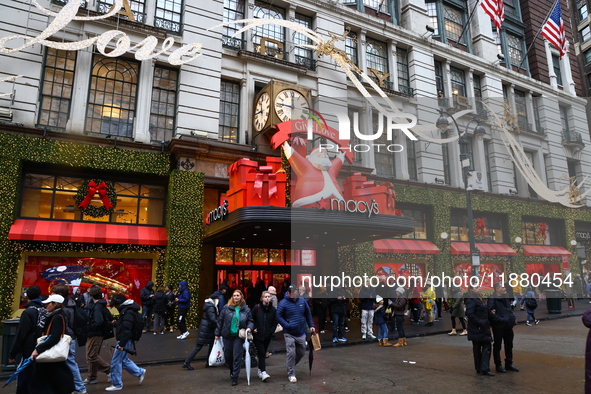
(357,187)
(238,170)
(250,186)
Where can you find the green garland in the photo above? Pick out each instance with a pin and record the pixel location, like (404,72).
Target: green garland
(93,210)
(185,241)
(16,150)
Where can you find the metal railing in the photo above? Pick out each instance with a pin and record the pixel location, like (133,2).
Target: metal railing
(233,42)
(272,52)
(406,90)
(168,25)
(305,61)
(103,8)
(572,137)
(64,2)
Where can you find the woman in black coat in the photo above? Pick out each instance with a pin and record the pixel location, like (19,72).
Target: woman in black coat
(54,377)
(160,303)
(234,317)
(265,322)
(170,307)
(209,322)
(479,331)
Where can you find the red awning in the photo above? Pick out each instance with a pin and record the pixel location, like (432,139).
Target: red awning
(55,231)
(543,250)
(485,249)
(405,246)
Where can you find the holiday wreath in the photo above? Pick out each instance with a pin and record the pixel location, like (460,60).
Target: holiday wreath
(88,190)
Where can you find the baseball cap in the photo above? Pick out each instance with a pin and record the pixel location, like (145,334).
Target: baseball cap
(54,298)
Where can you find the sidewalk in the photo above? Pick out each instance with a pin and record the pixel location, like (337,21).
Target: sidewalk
(167,349)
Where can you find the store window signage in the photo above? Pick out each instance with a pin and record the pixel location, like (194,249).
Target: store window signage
(144,49)
(220,213)
(583,236)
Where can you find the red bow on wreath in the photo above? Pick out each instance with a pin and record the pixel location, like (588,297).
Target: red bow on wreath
(102,191)
(480,227)
(542,230)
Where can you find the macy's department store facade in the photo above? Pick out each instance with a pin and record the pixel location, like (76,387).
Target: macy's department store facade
(57,225)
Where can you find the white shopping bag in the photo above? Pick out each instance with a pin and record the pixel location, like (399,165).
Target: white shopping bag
(216,358)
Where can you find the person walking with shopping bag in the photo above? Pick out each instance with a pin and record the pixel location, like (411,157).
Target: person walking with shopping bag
(234,324)
(52,377)
(209,322)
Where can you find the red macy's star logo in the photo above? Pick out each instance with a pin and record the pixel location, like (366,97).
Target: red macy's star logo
(323,203)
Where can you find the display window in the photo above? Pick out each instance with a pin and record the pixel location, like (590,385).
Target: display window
(127,276)
(385,269)
(488,273)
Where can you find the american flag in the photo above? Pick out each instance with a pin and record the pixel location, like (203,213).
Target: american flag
(496,10)
(553,30)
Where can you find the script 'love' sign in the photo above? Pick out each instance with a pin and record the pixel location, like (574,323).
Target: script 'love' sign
(144,49)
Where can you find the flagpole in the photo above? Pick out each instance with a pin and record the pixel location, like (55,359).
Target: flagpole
(467,23)
(537,34)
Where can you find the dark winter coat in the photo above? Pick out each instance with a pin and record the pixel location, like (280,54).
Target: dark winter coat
(457,309)
(145,294)
(380,315)
(338,305)
(398,306)
(184,296)
(209,322)
(124,325)
(367,295)
(478,323)
(265,321)
(27,332)
(225,320)
(294,315)
(52,378)
(98,316)
(221,298)
(587,323)
(160,302)
(68,311)
(504,316)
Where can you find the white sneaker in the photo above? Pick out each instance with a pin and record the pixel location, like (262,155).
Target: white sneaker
(113,388)
(171,330)
(292,379)
(186,334)
(371,336)
(259,374)
(142,376)
(266,376)
(88,381)
(180,336)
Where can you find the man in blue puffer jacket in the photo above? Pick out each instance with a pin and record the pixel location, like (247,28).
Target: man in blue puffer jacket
(184,303)
(293,313)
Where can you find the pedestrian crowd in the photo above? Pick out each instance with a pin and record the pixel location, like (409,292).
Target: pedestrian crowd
(231,320)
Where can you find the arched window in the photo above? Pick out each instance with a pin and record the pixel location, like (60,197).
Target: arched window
(112,96)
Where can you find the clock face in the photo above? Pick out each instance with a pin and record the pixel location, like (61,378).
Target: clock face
(261,111)
(291,105)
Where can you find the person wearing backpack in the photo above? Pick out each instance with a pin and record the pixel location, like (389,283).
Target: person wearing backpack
(129,330)
(25,340)
(100,317)
(530,305)
(77,322)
